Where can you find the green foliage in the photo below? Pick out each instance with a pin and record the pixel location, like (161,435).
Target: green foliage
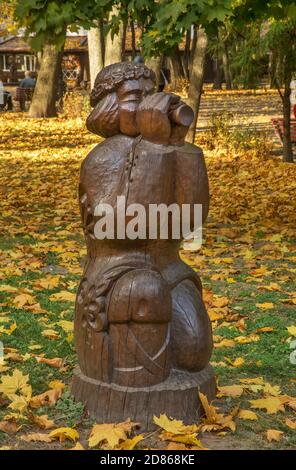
(248,60)
(48,20)
(174,17)
(69,409)
(280,39)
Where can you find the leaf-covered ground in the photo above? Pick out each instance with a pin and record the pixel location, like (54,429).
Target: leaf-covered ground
(248,268)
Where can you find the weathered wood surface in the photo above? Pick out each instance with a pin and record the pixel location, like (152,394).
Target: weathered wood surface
(140,320)
(177,397)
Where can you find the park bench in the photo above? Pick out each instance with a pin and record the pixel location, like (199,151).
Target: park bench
(278,124)
(22,95)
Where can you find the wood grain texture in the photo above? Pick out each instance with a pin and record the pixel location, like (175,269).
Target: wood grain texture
(177,396)
(143,336)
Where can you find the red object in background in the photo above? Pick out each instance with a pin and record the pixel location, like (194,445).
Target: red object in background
(294,110)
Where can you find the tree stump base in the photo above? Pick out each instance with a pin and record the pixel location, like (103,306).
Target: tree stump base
(176,397)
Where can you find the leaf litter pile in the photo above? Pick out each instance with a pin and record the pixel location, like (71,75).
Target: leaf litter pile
(248,268)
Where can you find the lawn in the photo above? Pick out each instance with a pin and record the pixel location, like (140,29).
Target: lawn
(247,264)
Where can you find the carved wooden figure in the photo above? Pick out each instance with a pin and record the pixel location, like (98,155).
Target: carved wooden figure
(143,336)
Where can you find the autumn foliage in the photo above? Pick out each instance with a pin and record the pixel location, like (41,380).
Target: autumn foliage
(247,262)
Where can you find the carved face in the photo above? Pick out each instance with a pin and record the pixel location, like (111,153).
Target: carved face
(116,112)
(130,94)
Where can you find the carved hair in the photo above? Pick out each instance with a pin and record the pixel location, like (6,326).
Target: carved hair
(112,76)
(104,118)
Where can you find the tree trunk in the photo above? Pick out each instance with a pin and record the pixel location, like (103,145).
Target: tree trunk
(176,67)
(45,93)
(113,47)
(192,53)
(218,74)
(95,53)
(287,144)
(186,55)
(226,67)
(123,44)
(272,69)
(132,25)
(196,79)
(155,64)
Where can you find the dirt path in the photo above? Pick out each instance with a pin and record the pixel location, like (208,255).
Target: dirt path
(250,109)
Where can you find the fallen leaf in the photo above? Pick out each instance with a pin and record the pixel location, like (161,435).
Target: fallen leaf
(64,433)
(230,391)
(291,424)
(247,414)
(48,398)
(42,421)
(9,426)
(274,435)
(188,439)
(77,446)
(36,437)
(265,306)
(111,433)
(56,362)
(271,404)
(130,444)
(173,426)
(292,330)
(17,383)
(225,343)
(63,296)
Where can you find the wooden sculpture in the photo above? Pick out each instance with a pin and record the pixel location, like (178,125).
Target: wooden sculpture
(143,336)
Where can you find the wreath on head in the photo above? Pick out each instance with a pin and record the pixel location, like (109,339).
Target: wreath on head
(112,76)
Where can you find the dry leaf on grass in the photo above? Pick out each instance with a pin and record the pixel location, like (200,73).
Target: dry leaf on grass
(274,435)
(36,437)
(271,404)
(64,433)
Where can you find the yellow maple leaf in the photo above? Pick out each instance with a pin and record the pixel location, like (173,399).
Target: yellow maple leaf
(36,437)
(273,390)
(292,330)
(274,435)
(9,426)
(271,404)
(220,301)
(49,282)
(225,343)
(265,329)
(48,398)
(273,286)
(18,403)
(247,414)
(265,305)
(8,331)
(111,433)
(77,446)
(188,439)
(17,383)
(130,444)
(230,391)
(63,296)
(64,433)
(254,380)
(42,421)
(173,426)
(247,339)
(68,326)
(23,299)
(209,409)
(51,334)
(291,424)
